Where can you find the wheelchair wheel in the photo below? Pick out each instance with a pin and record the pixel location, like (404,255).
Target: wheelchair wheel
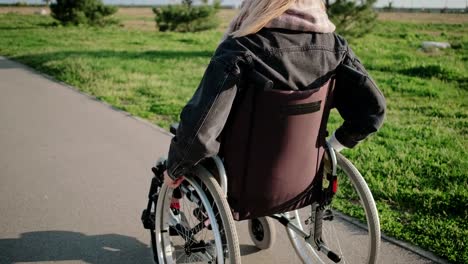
(262,232)
(355,239)
(198,226)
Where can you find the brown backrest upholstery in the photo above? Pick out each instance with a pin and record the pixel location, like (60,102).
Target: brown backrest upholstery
(272,147)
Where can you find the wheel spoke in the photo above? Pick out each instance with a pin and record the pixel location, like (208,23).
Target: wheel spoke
(195,242)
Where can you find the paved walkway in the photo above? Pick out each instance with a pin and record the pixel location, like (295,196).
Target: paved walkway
(74,175)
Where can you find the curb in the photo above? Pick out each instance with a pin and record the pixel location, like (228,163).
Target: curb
(415,249)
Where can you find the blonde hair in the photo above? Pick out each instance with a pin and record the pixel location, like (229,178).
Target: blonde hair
(255,14)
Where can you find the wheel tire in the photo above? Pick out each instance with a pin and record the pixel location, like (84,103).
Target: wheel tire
(226,223)
(262,232)
(309,254)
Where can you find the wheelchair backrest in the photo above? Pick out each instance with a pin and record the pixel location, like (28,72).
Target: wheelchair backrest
(272,146)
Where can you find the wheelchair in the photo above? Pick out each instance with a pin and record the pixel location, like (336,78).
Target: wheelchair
(194,224)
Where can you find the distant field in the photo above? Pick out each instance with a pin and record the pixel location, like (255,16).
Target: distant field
(416,166)
(138,14)
(425,17)
(141,18)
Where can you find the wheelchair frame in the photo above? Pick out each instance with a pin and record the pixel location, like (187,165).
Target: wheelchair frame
(289,219)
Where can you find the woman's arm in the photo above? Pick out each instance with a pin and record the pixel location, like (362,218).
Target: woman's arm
(358,100)
(203,118)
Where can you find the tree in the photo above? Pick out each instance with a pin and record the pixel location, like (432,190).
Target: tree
(186,17)
(352,19)
(76,12)
(187,2)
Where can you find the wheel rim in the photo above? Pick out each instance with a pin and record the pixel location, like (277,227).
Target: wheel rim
(205,246)
(359,245)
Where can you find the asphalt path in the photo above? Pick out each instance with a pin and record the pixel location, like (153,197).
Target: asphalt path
(74,174)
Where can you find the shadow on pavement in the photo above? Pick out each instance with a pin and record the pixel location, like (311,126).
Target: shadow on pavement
(248,249)
(66,245)
(6,64)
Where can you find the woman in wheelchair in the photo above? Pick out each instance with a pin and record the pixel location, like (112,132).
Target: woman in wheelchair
(258,119)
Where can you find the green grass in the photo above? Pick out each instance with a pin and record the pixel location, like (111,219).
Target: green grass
(416,166)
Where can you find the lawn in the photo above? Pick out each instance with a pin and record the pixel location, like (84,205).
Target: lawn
(416,166)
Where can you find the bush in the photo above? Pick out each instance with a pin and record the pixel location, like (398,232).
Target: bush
(352,19)
(21,3)
(82,12)
(186,18)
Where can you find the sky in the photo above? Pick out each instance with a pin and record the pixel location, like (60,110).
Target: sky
(380,3)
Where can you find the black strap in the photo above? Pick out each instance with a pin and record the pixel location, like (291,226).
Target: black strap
(301,109)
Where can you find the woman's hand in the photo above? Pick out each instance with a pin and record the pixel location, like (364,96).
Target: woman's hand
(172,183)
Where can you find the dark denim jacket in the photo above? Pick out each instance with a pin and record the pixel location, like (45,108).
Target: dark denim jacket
(291,60)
